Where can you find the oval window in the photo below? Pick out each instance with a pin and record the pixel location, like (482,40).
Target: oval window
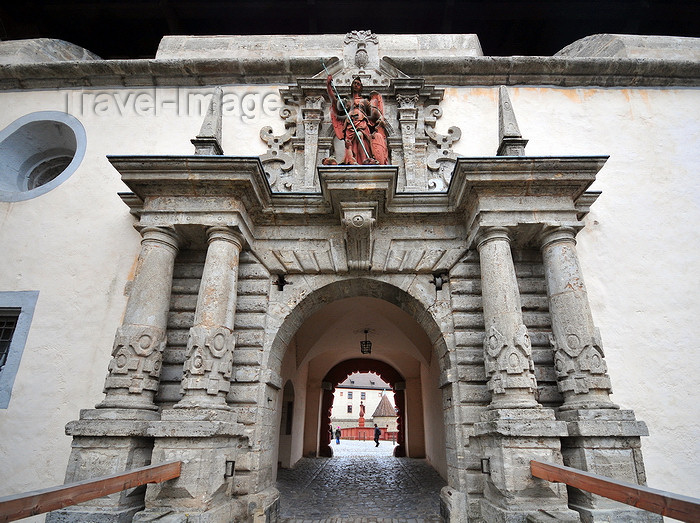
(38,152)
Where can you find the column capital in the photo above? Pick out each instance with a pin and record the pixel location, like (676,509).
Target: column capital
(488,234)
(228,234)
(165,236)
(555,234)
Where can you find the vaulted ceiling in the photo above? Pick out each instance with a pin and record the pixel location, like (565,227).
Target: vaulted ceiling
(133,28)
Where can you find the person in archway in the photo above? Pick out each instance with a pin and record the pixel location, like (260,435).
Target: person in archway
(377,434)
(337,436)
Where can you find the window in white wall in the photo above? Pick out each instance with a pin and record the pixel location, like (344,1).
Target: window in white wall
(8,323)
(16,312)
(349,395)
(349,409)
(38,152)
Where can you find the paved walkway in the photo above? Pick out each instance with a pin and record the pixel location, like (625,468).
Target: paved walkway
(360,484)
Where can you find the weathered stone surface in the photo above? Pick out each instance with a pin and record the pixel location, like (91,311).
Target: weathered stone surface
(634,46)
(253,46)
(42,50)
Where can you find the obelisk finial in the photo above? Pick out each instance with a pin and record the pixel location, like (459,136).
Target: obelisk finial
(511,142)
(208,140)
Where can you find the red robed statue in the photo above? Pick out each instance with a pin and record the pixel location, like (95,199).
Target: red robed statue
(365,137)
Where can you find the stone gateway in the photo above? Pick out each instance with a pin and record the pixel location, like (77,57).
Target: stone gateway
(259,273)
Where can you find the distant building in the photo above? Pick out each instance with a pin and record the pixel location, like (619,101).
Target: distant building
(385,415)
(367,389)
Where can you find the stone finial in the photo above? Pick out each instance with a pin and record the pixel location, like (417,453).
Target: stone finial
(208,140)
(511,142)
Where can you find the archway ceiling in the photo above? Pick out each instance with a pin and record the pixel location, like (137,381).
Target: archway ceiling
(333,334)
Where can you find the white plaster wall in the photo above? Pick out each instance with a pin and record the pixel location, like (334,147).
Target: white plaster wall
(640,250)
(639,253)
(76,245)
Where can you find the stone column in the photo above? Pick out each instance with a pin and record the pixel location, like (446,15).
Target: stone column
(507,349)
(602,439)
(201,430)
(207,370)
(515,429)
(134,371)
(113,438)
(578,351)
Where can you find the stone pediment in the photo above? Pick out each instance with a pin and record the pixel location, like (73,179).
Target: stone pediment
(411,108)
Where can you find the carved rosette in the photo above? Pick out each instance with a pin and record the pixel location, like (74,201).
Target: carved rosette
(208,366)
(508,363)
(134,371)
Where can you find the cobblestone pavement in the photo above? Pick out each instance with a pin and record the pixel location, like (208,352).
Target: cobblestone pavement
(360,484)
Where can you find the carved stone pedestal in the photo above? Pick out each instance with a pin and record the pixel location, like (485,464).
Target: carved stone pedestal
(510,438)
(605,442)
(208,442)
(105,442)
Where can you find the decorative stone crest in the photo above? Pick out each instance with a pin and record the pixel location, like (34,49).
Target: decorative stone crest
(580,363)
(137,356)
(509,363)
(407,113)
(208,366)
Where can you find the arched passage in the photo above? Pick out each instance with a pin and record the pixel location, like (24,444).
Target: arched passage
(341,371)
(323,328)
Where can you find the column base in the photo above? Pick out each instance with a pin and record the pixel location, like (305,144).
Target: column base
(106,442)
(230,511)
(625,514)
(453,505)
(495,514)
(211,446)
(81,514)
(510,438)
(605,442)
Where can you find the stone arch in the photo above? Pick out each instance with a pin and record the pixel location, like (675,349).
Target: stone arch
(401,295)
(415,296)
(338,374)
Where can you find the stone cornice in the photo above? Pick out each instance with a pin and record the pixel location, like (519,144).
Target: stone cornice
(157,177)
(523,176)
(449,71)
(523,193)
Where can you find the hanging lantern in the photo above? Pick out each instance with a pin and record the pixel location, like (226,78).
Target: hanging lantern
(366,346)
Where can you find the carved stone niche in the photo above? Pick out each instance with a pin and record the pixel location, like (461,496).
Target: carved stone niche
(424,157)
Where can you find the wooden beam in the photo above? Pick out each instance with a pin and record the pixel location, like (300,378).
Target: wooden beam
(28,504)
(675,506)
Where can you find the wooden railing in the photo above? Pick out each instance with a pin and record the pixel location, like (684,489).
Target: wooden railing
(28,504)
(668,504)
